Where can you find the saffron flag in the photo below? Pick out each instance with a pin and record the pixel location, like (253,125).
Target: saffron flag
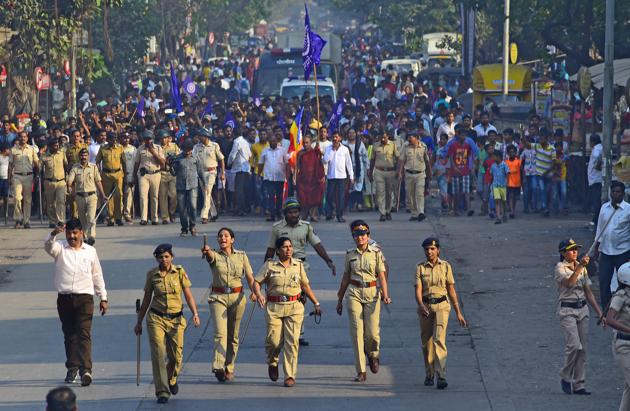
(295,143)
(176,98)
(313,46)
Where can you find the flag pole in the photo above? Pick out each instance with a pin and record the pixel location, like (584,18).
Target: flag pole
(317,96)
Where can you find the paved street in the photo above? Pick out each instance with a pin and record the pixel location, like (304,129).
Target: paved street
(508,359)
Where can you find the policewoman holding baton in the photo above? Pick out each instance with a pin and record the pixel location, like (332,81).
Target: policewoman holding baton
(165,322)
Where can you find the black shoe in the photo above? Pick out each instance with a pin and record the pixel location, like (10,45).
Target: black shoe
(421,217)
(382,218)
(329,217)
(71,376)
(441,383)
(471,213)
(566,386)
(303,342)
(429,381)
(110,223)
(165,222)
(143,222)
(174,389)
(341,219)
(27,225)
(219,374)
(119,223)
(581,391)
(545,214)
(388,216)
(374,365)
(273,372)
(213,219)
(51,225)
(162,400)
(86,379)
(154,223)
(413,218)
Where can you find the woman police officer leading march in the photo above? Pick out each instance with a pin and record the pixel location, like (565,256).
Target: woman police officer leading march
(619,319)
(227,301)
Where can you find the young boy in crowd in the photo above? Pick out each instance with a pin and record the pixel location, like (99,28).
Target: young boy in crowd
(513,179)
(499,171)
(528,163)
(5,151)
(487,197)
(559,180)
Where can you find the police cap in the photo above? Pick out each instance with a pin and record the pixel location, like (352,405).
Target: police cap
(204,132)
(163,248)
(146,135)
(431,241)
(290,203)
(567,245)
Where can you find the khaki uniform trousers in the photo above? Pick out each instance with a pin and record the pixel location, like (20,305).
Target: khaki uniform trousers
(23,194)
(621,353)
(209,210)
(385,184)
(414,187)
(114,205)
(55,194)
(72,201)
(433,336)
(168,196)
(574,323)
(86,208)
(128,201)
(166,339)
(227,311)
(284,321)
(364,316)
(149,185)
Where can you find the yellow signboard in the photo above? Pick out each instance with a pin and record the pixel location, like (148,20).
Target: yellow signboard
(513,53)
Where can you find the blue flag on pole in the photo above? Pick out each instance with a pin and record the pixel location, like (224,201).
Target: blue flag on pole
(208,109)
(313,46)
(189,86)
(333,123)
(229,120)
(176,98)
(140,108)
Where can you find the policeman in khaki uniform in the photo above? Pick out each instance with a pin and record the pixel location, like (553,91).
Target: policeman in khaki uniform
(148,163)
(435,286)
(364,269)
(112,161)
(54,170)
(84,182)
(72,158)
(166,324)
(129,155)
(383,173)
(285,280)
(227,301)
(212,159)
(574,290)
(167,193)
(414,162)
(619,319)
(23,165)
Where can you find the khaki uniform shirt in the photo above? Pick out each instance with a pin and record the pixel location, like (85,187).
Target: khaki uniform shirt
(365,265)
(282,281)
(84,178)
(54,166)
(167,289)
(24,159)
(72,153)
(575,292)
(413,157)
(434,278)
(210,155)
(112,158)
(146,159)
(299,235)
(229,270)
(129,154)
(620,302)
(385,156)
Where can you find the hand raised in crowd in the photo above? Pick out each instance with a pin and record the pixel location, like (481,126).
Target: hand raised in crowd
(585,260)
(58,230)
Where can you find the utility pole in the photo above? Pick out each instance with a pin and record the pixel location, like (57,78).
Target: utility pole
(609,56)
(506,49)
(73,77)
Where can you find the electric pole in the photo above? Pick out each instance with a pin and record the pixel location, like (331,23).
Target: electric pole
(609,56)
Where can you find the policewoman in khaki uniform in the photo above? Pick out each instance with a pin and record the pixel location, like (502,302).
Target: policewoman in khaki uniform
(149,161)
(165,322)
(619,318)
(72,158)
(84,182)
(212,160)
(227,301)
(383,172)
(54,171)
(364,271)
(168,192)
(574,290)
(112,161)
(285,279)
(435,286)
(414,162)
(23,166)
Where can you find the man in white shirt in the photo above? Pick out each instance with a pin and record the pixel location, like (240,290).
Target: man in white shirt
(238,160)
(78,276)
(95,145)
(273,167)
(614,242)
(482,129)
(594,174)
(337,158)
(448,127)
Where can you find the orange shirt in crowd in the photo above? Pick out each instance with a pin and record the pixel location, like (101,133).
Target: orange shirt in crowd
(514,177)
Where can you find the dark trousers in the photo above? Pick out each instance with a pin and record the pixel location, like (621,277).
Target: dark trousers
(335,193)
(187,208)
(607,266)
(241,186)
(273,196)
(75,312)
(595,200)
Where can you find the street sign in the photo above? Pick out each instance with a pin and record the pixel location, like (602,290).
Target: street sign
(513,53)
(584,82)
(42,80)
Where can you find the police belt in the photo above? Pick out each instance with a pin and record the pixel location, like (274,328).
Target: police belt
(86,194)
(227,290)
(54,180)
(111,171)
(361,284)
(413,172)
(386,168)
(431,300)
(167,315)
(622,336)
(573,304)
(148,172)
(23,174)
(282,298)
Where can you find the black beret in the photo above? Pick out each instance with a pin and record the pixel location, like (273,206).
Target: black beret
(147,134)
(162,248)
(431,241)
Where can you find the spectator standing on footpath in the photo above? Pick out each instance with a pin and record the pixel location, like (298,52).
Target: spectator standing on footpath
(594,173)
(238,160)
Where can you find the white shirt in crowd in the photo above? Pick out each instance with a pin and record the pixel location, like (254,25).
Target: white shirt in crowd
(594,175)
(483,131)
(445,128)
(93,149)
(4,167)
(76,271)
(240,155)
(616,239)
(339,162)
(274,163)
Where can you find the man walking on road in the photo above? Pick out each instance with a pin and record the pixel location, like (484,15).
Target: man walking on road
(23,170)
(78,276)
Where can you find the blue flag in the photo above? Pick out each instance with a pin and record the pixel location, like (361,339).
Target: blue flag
(313,46)
(229,120)
(176,98)
(208,109)
(190,87)
(333,123)
(282,123)
(140,108)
